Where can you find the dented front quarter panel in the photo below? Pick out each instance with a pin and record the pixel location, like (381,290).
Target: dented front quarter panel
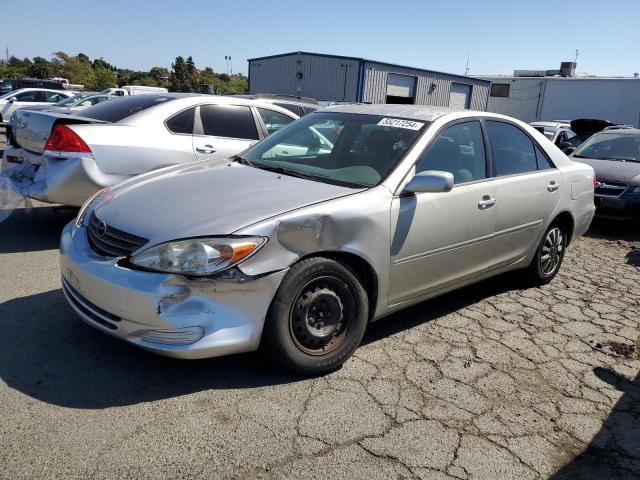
(230,308)
(358,224)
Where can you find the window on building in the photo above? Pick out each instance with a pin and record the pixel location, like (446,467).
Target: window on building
(500,89)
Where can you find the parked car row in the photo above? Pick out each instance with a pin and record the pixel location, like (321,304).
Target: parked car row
(230,222)
(65,158)
(614,153)
(30,97)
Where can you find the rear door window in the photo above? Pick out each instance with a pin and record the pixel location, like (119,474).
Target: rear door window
(182,122)
(121,108)
(231,121)
(513,150)
(54,97)
(273,121)
(292,107)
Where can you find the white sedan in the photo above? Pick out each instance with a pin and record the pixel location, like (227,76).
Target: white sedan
(61,158)
(29,97)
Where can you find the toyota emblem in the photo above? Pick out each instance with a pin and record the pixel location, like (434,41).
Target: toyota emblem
(101,229)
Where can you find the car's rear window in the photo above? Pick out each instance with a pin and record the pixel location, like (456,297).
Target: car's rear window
(118,109)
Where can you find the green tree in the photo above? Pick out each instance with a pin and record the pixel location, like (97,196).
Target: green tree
(40,68)
(180,79)
(73,68)
(103,77)
(194,76)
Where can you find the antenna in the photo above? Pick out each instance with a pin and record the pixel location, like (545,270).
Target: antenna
(466,69)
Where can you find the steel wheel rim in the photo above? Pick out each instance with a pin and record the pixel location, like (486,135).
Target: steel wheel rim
(552,251)
(321,315)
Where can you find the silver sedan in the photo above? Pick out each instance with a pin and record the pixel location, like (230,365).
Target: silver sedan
(341,218)
(61,158)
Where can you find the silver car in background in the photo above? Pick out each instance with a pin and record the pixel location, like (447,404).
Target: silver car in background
(59,157)
(343,217)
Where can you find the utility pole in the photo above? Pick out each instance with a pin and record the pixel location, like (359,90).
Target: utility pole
(230,66)
(466,70)
(575,60)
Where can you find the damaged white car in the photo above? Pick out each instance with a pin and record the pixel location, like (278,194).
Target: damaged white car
(64,158)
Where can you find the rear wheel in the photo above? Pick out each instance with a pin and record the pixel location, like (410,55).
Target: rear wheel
(549,256)
(317,318)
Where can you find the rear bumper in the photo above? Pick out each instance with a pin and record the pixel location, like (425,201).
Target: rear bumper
(204,317)
(70,180)
(624,207)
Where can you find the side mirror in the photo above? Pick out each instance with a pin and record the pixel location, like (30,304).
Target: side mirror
(12,99)
(433,181)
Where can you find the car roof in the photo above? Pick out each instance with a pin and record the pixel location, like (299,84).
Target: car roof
(426,113)
(32,89)
(620,131)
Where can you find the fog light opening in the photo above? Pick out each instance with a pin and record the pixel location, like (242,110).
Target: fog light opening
(174,336)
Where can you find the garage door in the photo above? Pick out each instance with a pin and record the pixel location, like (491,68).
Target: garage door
(460,95)
(400,85)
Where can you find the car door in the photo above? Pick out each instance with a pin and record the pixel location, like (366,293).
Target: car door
(528,189)
(223,130)
(181,128)
(440,239)
(22,99)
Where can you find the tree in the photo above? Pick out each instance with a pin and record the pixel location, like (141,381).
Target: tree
(103,77)
(180,78)
(74,69)
(194,76)
(40,68)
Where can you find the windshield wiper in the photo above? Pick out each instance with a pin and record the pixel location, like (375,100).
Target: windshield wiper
(241,160)
(287,171)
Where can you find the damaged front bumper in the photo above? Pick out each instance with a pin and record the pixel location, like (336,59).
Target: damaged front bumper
(168,314)
(69,180)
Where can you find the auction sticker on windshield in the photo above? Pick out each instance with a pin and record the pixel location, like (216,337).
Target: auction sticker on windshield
(398,123)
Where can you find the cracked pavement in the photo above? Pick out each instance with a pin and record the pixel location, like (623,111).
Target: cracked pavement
(495,381)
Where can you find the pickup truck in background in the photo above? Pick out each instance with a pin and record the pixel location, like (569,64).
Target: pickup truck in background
(132,90)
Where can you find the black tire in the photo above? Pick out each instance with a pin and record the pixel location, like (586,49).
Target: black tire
(317,317)
(549,255)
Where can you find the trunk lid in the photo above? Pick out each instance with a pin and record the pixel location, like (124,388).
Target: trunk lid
(30,129)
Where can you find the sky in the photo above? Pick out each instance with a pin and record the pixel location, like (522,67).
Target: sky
(498,35)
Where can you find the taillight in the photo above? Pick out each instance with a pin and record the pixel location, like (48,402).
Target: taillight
(594,181)
(63,139)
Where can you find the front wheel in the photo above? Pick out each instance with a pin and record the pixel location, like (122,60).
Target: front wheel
(317,318)
(549,256)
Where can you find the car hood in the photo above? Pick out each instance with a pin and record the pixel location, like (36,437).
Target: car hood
(207,198)
(613,170)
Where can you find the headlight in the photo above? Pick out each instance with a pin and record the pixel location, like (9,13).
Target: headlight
(198,256)
(635,190)
(83,210)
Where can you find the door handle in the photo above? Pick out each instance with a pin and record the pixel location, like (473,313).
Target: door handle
(206,149)
(486,202)
(553,186)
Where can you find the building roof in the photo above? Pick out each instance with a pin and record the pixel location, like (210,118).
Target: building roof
(494,78)
(426,113)
(360,59)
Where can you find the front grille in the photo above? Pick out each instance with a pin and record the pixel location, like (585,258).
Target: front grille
(8,133)
(101,317)
(605,188)
(111,242)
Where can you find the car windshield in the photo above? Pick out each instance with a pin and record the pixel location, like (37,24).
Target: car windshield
(68,101)
(7,95)
(339,148)
(611,146)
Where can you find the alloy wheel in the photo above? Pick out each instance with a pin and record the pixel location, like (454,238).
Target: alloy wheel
(552,251)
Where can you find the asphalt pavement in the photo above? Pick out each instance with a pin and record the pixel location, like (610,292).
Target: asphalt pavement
(496,381)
